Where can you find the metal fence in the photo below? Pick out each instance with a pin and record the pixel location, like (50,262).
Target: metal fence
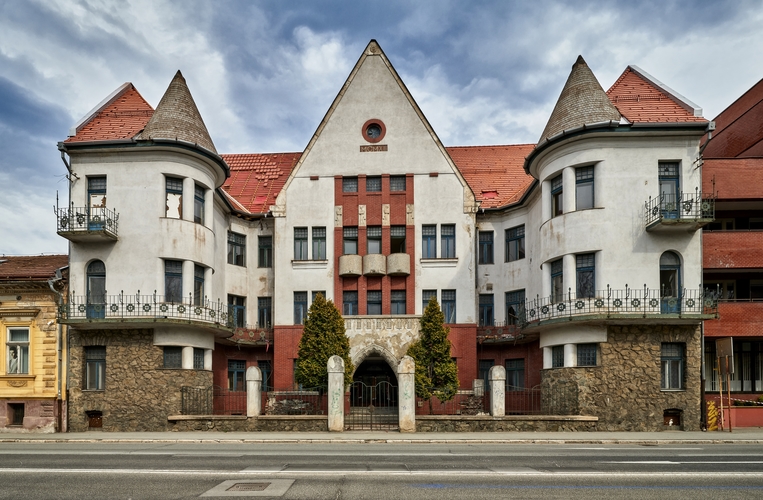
(213,400)
(372,406)
(313,401)
(462,403)
(559,399)
(679,206)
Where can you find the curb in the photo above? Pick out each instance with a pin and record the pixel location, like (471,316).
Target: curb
(640,442)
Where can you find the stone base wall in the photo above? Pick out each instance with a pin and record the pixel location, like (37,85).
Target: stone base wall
(139,394)
(624,390)
(39,416)
(298,423)
(502,424)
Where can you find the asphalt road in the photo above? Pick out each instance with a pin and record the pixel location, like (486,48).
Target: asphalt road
(378,471)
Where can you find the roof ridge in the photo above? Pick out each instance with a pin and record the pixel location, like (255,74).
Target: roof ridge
(672,94)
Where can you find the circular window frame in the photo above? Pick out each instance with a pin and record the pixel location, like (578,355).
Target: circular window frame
(373,121)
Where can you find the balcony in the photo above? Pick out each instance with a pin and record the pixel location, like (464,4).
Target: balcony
(626,305)
(374,264)
(682,211)
(87,224)
(350,265)
(501,333)
(144,311)
(398,264)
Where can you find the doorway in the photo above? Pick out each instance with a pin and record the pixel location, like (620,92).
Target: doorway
(373,396)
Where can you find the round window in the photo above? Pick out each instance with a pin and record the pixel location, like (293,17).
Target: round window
(373,130)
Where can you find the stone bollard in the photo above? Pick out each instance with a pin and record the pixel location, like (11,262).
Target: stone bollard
(406,394)
(335,368)
(253,391)
(497,376)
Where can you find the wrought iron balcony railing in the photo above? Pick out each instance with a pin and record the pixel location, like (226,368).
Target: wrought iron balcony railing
(80,222)
(680,208)
(144,307)
(628,302)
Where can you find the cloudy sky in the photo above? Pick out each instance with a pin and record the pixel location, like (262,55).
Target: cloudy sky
(264,73)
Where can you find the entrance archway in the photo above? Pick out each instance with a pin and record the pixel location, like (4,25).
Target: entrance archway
(373,395)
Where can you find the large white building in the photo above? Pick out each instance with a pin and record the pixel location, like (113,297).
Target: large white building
(575,263)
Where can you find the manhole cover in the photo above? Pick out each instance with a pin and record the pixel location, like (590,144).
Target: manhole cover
(248,487)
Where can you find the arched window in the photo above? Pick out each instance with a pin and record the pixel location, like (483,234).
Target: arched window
(670,282)
(96,290)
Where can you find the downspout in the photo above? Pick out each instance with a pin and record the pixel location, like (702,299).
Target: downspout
(59,346)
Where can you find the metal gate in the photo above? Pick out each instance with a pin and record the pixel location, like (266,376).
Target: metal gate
(372,407)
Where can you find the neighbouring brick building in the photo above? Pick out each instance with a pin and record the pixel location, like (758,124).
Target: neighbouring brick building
(575,262)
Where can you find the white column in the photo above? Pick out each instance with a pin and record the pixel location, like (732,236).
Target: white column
(497,376)
(253,391)
(545,202)
(570,355)
(335,368)
(209,201)
(570,275)
(188,193)
(406,394)
(545,287)
(207,359)
(187,281)
(187,358)
(548,358)
(568,177)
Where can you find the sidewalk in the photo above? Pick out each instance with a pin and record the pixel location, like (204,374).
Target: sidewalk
(739,436)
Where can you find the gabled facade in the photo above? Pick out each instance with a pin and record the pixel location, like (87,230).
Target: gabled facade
(574,263)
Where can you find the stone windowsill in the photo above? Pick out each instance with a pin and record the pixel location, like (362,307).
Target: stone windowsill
(309,264)
(426,263)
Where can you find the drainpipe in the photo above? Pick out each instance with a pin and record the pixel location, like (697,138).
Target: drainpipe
(59,345)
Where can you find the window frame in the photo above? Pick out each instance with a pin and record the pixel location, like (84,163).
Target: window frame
(300,307)
(237,309)
(448,241)
(486,246)
(397,302)
(265,251)
(429,241)
(585,265)
(584,179)
(19,346)
(515,374)
(515,243)
(349,184)
(199,204)
(236,373)
(373,184)
(301,243)
(515,298)
(350,240)
(319,242)
(94,378)
(426,295)
(671,361)
(172,280)
(448,306)
(173,357)
(557,280)
(171,189)
(397,237)
(264,312)
(350,303)
(587,354)
(374,298)
(486,309)
(395,182)
(557,196)
(236,249)
(198,358)
(198,285)
(557,356)
(373,234)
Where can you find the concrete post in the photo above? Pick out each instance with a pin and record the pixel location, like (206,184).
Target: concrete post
(335,368)
(406,394)
(253,391)
(497,377)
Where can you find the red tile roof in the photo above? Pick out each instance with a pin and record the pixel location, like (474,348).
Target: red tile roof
(34,267)
(496,174)
(640,100)
(122,118)
(256,179)
(739,128)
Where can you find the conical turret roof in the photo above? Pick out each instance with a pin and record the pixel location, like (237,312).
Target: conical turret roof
(581,102)
(177,117)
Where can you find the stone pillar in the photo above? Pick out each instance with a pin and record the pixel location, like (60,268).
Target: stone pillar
(187,358)
(497,376)
(253,391)
(335,367)
(406,394)
(570,355)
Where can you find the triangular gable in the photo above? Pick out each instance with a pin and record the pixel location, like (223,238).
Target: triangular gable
(256,179)
(373,50)
(122,115)
(641,98)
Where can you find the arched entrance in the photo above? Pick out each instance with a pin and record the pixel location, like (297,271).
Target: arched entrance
(373,395)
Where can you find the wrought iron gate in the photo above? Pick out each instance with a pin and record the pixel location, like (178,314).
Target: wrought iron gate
(372,407)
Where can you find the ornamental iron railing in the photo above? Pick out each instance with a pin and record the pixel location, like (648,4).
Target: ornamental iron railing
(679,207)
(87,219)
(149,307)
(612,302)
(558,399)
(462,403)
(214,400)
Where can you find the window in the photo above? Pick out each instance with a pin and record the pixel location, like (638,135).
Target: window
(173,281)
(397,183)
(350,241)
(373,184)
(486,309)
(300,307)
(557,196)
(236,375)
(265,251)
(173,357)
(15,413)
(236,249)
(264,311)
(198,358)
(198,204)
(237,306)
(583,188)
(266,367)
(557,281)
(557,356)
(397,239)
(350,303)
(448,237)
(18,350)
(96,290)
(398,302)
(672,360)
(174,201)
(319,243)
(669,188)
(449,305)
(96,195)
(670,283)
(587,354)
(349,184)
(486,247)
(586,274)
(95,368)
(515,374)
(515,307)
(426,295)
(374,235)
(515,243)
(374,302)
(300,243)
(429,242)
(198,285)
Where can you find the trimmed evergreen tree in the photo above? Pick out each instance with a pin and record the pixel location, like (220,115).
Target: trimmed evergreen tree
(436,372)
(323,337)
